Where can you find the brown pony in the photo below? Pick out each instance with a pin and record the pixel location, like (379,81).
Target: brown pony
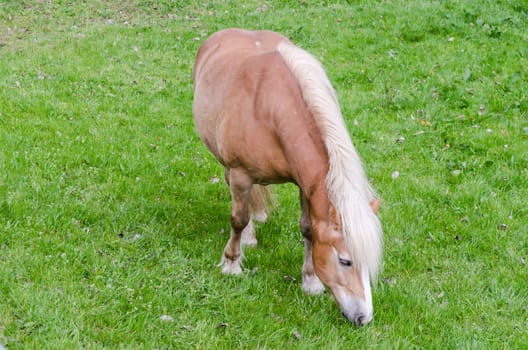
(267,111)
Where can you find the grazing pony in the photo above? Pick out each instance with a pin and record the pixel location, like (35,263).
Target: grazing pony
(267,111)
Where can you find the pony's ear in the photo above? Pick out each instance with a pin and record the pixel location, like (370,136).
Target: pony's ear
(375,205)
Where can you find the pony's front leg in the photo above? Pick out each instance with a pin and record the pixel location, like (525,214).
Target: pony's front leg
(311,284)
(240,185)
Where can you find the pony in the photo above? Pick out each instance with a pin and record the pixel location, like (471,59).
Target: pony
(267,111)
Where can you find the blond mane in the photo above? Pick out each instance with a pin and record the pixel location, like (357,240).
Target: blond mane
(348,187)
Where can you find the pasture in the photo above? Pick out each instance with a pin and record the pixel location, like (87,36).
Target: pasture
(113,215)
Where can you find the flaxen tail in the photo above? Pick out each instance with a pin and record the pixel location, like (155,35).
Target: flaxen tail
(260,200)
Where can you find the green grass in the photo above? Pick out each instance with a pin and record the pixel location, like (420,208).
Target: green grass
(110,228)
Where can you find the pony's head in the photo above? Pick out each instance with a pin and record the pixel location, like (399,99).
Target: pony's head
(348,281)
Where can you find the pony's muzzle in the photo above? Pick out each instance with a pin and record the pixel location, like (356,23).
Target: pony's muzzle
(359,319)
(357,310)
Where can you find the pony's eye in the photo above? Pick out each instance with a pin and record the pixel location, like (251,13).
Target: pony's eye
(345,262)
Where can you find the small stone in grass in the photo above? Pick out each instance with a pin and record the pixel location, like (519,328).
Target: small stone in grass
(502,227)
(296,334)
(289,278)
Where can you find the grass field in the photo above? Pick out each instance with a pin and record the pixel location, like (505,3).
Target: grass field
(112,219)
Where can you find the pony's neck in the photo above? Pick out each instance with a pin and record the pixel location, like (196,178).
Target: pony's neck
(309,163)
(320,209)
(312,182)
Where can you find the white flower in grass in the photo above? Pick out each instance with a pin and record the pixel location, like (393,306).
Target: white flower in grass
(214,179)
(166,318)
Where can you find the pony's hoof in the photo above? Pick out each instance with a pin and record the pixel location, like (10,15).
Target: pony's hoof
(249,238)
(249,241)
(312,285)
(260,216)
(231,267)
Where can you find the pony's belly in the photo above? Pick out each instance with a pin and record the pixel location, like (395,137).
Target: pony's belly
(262,171)
(265,164)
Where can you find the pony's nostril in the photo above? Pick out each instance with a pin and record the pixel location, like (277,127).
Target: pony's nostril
(360,321)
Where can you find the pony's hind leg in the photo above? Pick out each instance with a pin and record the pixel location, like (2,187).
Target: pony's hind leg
(258,198)
(240,185)
(249,237)
(311,284)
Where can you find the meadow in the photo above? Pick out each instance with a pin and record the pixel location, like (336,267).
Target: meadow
(113,215)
